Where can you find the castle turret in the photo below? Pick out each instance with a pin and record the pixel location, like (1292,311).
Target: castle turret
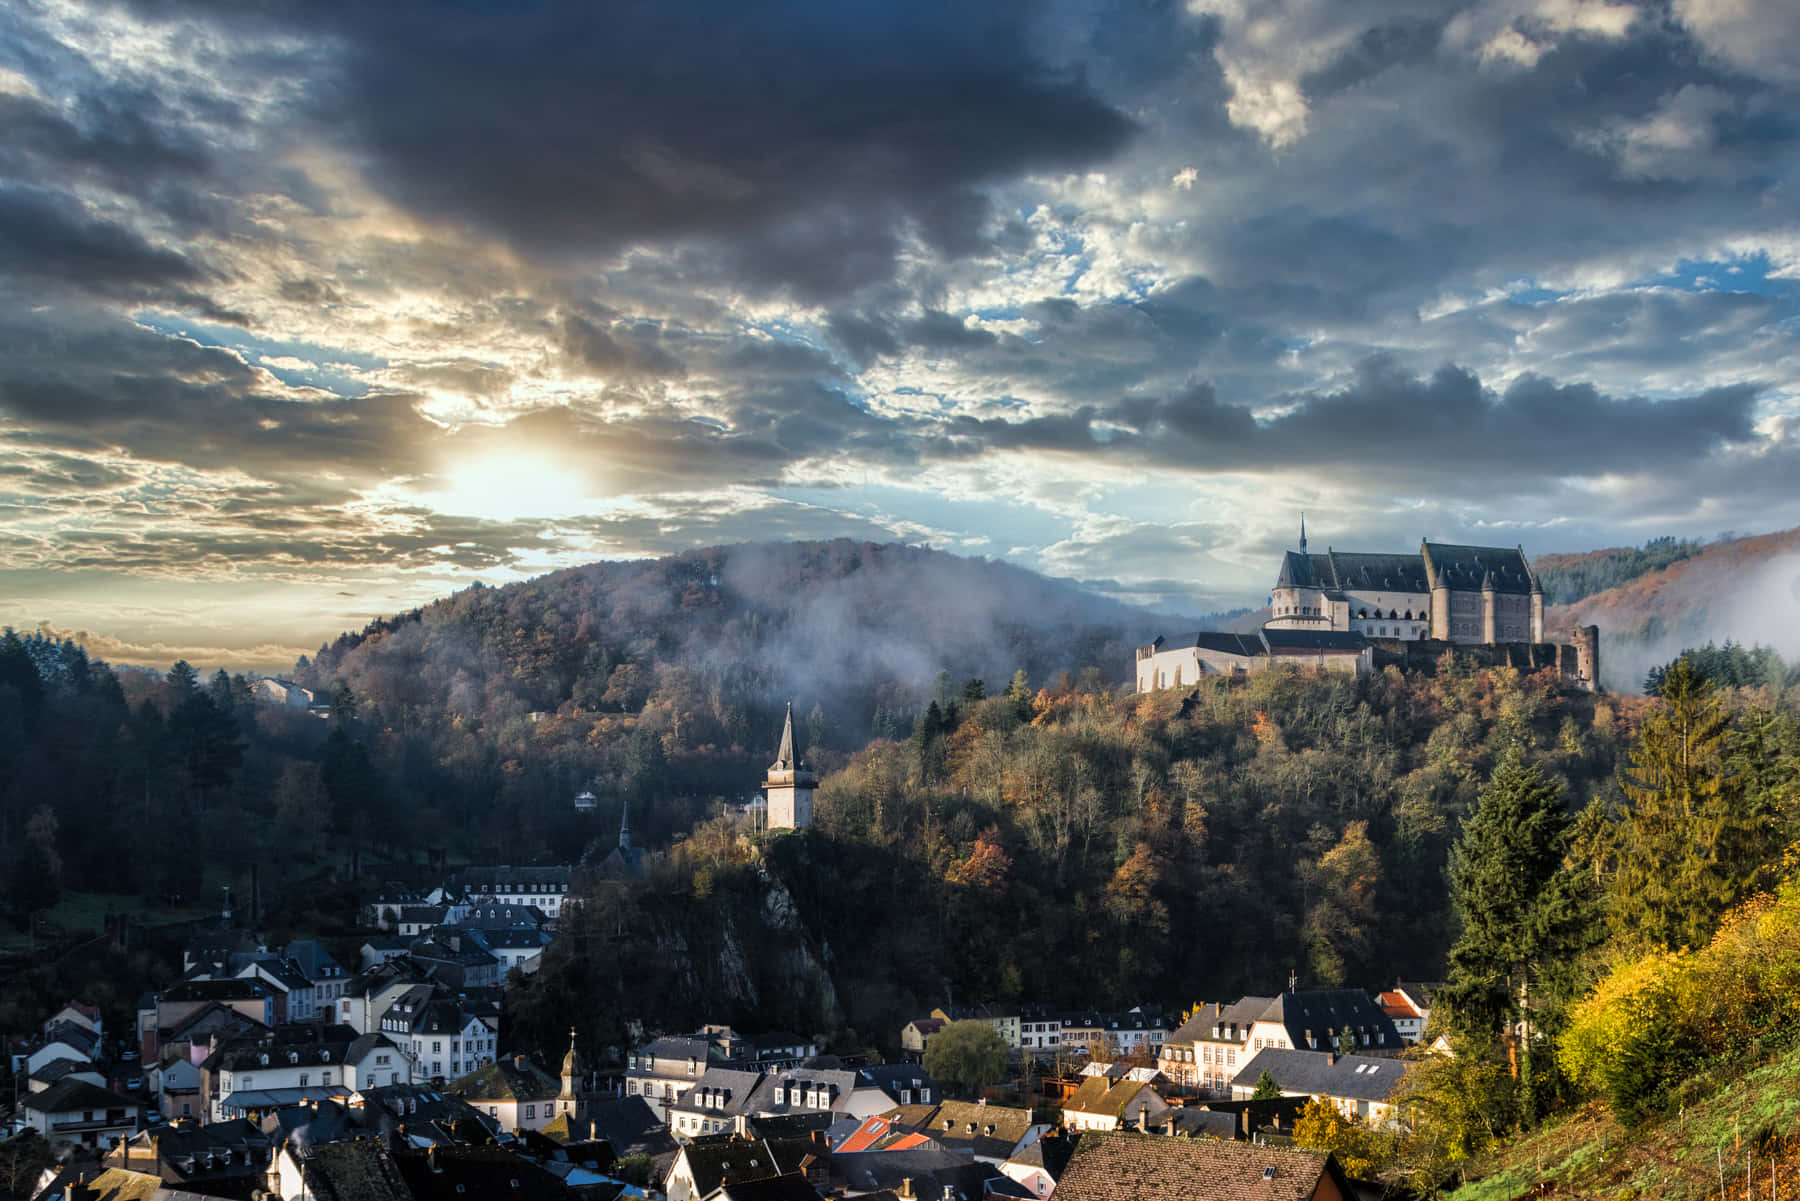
(789,784)
(1490,624)
(1440,595)
(1537,605)
(1303,531)
(1587,656)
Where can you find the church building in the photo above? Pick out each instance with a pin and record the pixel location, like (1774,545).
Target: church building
(789,785)
(1445,593)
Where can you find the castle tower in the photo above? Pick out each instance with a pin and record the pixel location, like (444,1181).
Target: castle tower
(1587,656)
(1440,595)
(789,784)
(1490,625)
(1537,605)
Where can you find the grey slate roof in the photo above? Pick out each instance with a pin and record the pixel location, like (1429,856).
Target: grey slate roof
(1460,568)
(1322,1074)
(1467,568)
(721,1092)
(68,1095)
(1280,641)
(1313,1019)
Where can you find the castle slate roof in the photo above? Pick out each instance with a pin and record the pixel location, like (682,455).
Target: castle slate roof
(1468,568)
(1305,641)
(1212,640)
(1323,1074)
(1126,1166)
(1459,568)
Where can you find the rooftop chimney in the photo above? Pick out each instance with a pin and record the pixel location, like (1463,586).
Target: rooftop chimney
(905,1188)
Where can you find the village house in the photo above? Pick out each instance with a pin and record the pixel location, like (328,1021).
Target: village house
(1344,1019)
(440,1035)
(520,1095)
(1360,1086)
(1408,1006)
(1101,1103)
(75,1111)
(545,887)
(1040,1163)
(294,1064)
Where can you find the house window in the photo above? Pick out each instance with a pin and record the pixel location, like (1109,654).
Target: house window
(530,1111)
(302,1079)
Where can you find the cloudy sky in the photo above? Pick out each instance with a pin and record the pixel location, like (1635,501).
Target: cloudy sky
(313,312)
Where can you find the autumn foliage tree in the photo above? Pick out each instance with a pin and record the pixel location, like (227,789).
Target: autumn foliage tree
(966,1055)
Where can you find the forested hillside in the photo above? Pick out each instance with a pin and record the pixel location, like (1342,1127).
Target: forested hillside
(1075,847)
(1745,590)
(664,680)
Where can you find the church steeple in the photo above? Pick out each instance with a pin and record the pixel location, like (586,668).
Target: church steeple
(788,785)
(625,825)
(784,757)
(1302,531)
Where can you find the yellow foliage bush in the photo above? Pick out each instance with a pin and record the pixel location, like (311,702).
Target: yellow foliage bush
(1653,1017)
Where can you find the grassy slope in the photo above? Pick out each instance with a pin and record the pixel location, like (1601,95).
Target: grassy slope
(1587,1154)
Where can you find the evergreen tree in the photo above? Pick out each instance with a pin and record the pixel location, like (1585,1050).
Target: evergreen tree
(183,680)
(1266,1088)
(1520,909)
(1689,847)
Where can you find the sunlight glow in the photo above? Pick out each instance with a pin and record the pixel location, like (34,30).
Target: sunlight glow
(509,486)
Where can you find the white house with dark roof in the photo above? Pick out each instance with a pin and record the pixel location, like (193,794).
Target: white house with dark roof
(74,1111)
(1182,660)
(1360,1086)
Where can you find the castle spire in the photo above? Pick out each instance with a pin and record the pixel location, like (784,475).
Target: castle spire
(625,825)
(1302,531)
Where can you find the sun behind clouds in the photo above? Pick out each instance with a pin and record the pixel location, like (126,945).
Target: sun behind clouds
(510,485)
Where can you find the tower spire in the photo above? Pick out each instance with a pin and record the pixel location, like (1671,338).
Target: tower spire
(1302,531)
(625,825)
(784,758)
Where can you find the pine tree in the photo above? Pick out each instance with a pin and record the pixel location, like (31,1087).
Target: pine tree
(1689,847)
(1520,909)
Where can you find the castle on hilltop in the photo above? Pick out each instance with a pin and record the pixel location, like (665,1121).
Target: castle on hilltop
(1355,611)
(1458,594)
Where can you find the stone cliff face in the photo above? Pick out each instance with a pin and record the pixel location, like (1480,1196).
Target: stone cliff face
(747,949)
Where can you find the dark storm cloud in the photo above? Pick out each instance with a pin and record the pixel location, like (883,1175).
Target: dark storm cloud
(809,135)
(126,140)
(48,238)
(631,351)
(89,375)
(1443,428)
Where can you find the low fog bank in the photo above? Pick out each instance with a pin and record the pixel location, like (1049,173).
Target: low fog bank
(1754,605)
